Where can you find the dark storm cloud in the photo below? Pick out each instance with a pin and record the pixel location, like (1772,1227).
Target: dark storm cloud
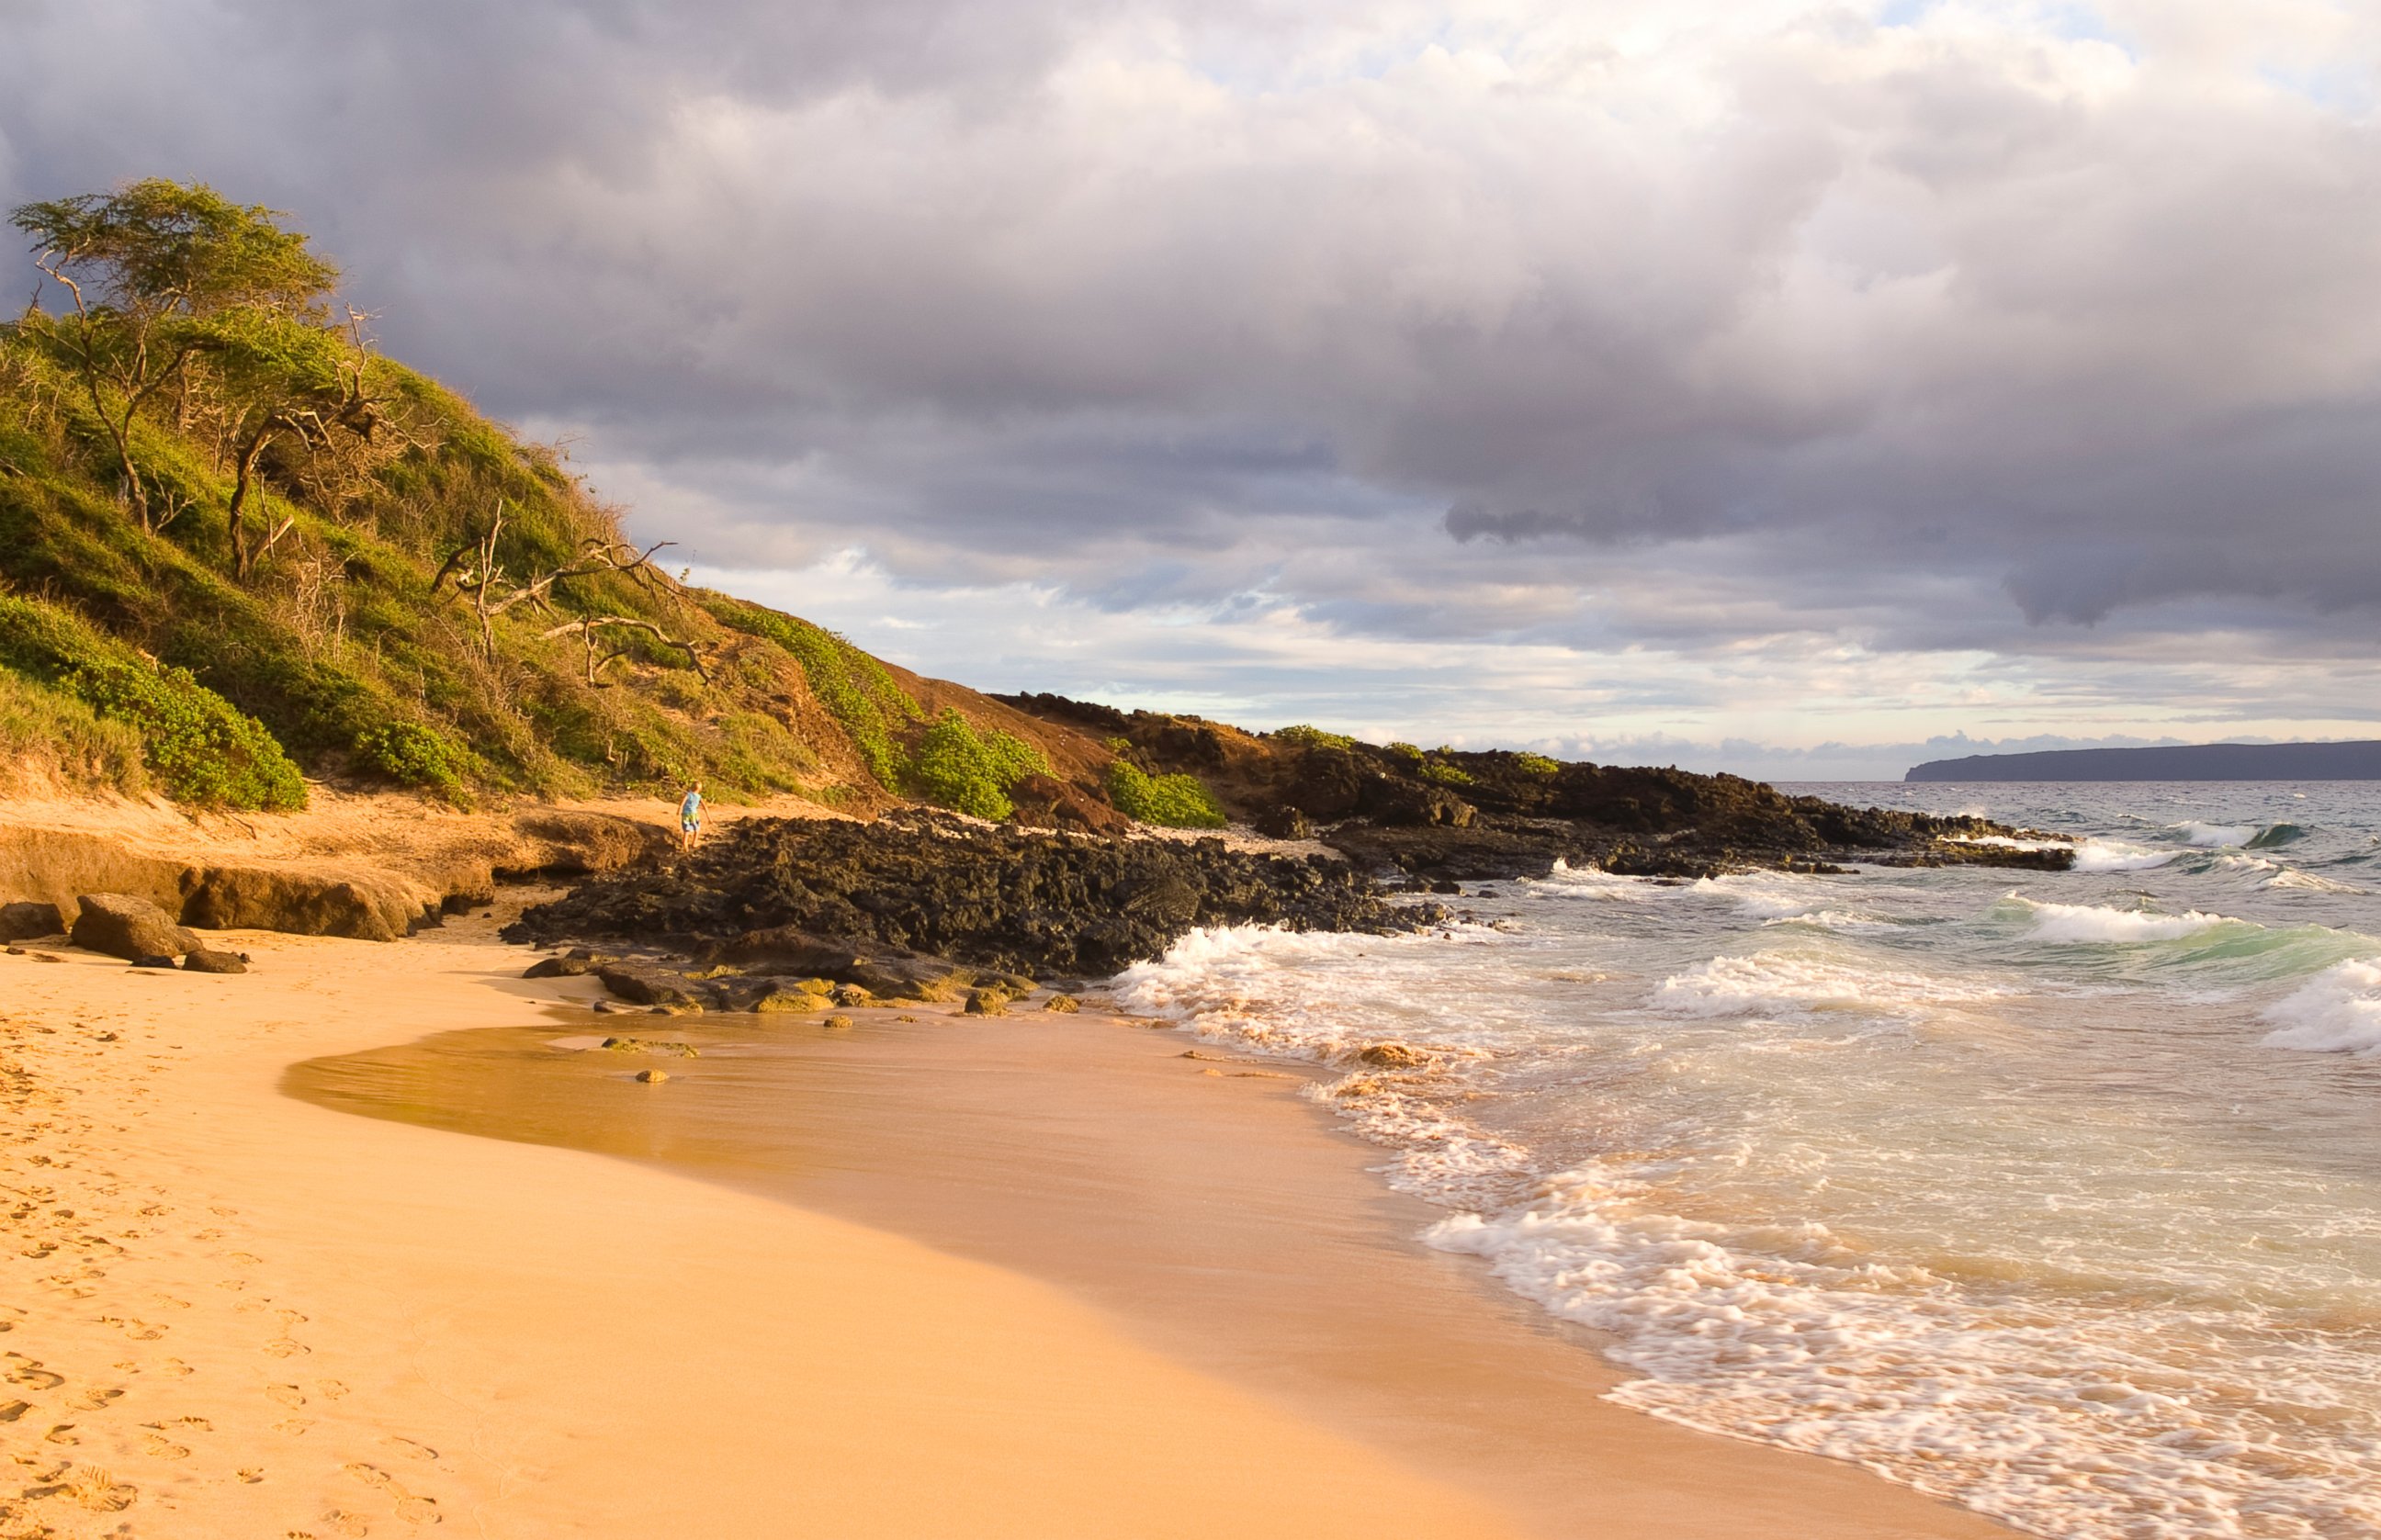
(1585,325)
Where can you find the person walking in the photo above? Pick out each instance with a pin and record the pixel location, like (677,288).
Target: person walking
(690,817)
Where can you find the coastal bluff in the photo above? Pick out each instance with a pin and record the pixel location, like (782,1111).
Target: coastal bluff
(2340,761)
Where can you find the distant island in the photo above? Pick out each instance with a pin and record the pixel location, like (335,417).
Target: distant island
(2350,761)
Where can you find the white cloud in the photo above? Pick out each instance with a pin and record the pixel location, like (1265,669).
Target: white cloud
(1858,373)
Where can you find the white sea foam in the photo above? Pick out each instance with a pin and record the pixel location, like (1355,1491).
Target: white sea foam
(2116,855)
(2085,924)
(1568,881)
(2215,836)
(2134,1426)
(2339,1011)
(1842,921)
(1774,982)
(2291,877)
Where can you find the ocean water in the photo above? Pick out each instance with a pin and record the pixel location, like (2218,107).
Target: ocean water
(2057,1195)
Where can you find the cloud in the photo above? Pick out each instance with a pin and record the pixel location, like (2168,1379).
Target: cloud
(1993,340)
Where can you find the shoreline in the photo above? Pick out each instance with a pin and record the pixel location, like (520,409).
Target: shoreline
(585,1346)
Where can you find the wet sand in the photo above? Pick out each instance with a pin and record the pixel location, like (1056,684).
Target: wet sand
(229,1313)
(1193,1199)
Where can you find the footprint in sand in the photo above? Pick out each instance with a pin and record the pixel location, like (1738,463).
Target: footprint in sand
(95,1400)
(288,1395)
(182,1424)
(62,1433)
(283,1347)
(165,1449)
(28,1372)
(14,1410)
(411,1450)
(176,1366)
(88,1487)
(410,1507)
(251,1473)
(347,1526)
(294,1427)
(330,1389)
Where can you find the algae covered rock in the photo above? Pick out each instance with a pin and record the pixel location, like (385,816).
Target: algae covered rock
(811,994)
(649,1045)
(209,960)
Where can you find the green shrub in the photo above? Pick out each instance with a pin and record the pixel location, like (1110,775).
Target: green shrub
(1406,751)
(1165,801)
(1446,775)
(1307,736)
(973,771)
(411,755)
(1537,765)
(201,748)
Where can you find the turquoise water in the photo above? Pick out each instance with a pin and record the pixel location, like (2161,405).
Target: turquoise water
(2056,1193)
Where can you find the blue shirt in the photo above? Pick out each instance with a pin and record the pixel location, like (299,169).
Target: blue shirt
(691,810)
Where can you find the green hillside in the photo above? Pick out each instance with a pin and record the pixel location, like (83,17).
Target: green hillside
(236,543)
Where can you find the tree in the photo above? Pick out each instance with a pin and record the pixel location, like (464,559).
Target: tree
(277,375)
(157,273)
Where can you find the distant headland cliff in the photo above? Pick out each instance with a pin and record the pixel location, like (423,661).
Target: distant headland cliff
(2348,761)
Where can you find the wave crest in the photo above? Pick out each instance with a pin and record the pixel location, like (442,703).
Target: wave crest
(2339,1011)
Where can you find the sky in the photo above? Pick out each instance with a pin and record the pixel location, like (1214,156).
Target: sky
(1804,390)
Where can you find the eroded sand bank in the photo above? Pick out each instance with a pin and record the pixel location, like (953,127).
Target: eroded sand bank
(235,1313)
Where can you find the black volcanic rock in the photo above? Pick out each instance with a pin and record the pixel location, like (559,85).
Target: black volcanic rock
(1041,904)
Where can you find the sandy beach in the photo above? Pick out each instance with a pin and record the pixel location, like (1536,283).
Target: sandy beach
(235,1312)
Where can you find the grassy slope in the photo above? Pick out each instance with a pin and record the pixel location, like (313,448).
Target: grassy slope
(340,649)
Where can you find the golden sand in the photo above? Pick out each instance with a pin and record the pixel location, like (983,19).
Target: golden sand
(230,1312)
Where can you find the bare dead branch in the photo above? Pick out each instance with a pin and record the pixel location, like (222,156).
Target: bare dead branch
(588,627)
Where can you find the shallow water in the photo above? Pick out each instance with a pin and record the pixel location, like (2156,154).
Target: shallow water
(2058,1194)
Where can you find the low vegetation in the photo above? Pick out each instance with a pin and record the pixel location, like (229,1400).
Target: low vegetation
(199,748)
(1301,735)
(1179,800)
(973,771)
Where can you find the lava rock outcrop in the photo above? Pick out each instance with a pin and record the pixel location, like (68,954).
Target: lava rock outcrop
(917,885)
